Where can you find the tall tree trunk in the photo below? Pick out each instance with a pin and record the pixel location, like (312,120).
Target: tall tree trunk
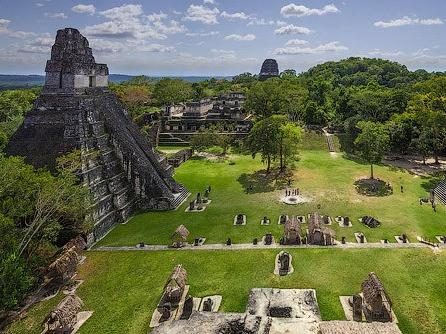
(281,157)
(424,159)
(371,171)
(268,165)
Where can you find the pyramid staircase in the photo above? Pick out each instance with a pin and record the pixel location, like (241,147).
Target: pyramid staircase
(168,139)
(440,192)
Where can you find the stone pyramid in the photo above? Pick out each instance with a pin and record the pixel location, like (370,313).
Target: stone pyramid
(76,111)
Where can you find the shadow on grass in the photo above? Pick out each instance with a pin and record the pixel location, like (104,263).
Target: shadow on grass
(263,182)
(373,187)
(430,183)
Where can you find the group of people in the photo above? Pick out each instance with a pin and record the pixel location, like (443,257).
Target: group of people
(292,192)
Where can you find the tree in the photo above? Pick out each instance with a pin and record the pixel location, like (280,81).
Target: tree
(423,143)
(41,204)
(202,140)
(402,130)
(290,138)
(15,280)
(168,91)
(263,139)
(263,98)
(429,107)
(13,106)
(216,135)
(372,142)
(274,137)
(244,79)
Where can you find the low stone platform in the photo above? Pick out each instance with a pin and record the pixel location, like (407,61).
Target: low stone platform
(277,265)
(278,221)
(273,311)
(400,240)
(440,240)
(273,242)
(175,315)
(295,199)
(235,221)
(358,240)
(353,327)
(216,302)
(340,220)
(301,219)
(268,221)
(201,209)
(82,317)
(348,310)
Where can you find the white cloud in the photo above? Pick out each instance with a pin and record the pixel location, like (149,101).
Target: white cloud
(104,46)
(173,27)
(291,29)
(158,48)
(4,30)
(199,13)
(157,16)
(56,15)
(128,22)
(296,42)
(236,37)
(202,34)
(210,2)
(123,12)
(39,45)
(39,4)
(261,22)
(406,20)
(300,10)
(380,53)
(323,48)
(221,51)
(4,23)
(84,9)
(240,16)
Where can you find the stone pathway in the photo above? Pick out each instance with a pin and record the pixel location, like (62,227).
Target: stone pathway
(348,245)
(330,143)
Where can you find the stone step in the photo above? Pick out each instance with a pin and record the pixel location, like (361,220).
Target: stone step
(440,192)
(330,143)
(176,202)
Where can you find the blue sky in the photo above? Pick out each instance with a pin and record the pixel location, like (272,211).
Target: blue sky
(224,37)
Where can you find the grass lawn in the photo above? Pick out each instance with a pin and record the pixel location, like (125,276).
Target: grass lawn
(328,180)
(170,150)
(123,288)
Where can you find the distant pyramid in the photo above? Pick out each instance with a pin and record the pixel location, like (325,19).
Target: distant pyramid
(77,111)
(270,69)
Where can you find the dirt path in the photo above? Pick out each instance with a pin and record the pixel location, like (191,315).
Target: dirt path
(414,164)
(348,245)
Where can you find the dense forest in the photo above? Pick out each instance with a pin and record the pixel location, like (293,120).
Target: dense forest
(403,110)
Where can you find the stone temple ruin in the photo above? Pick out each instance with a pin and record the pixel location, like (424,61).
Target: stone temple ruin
(270,69)
(76,111)
(66,317)
(273,311)
(377,305)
